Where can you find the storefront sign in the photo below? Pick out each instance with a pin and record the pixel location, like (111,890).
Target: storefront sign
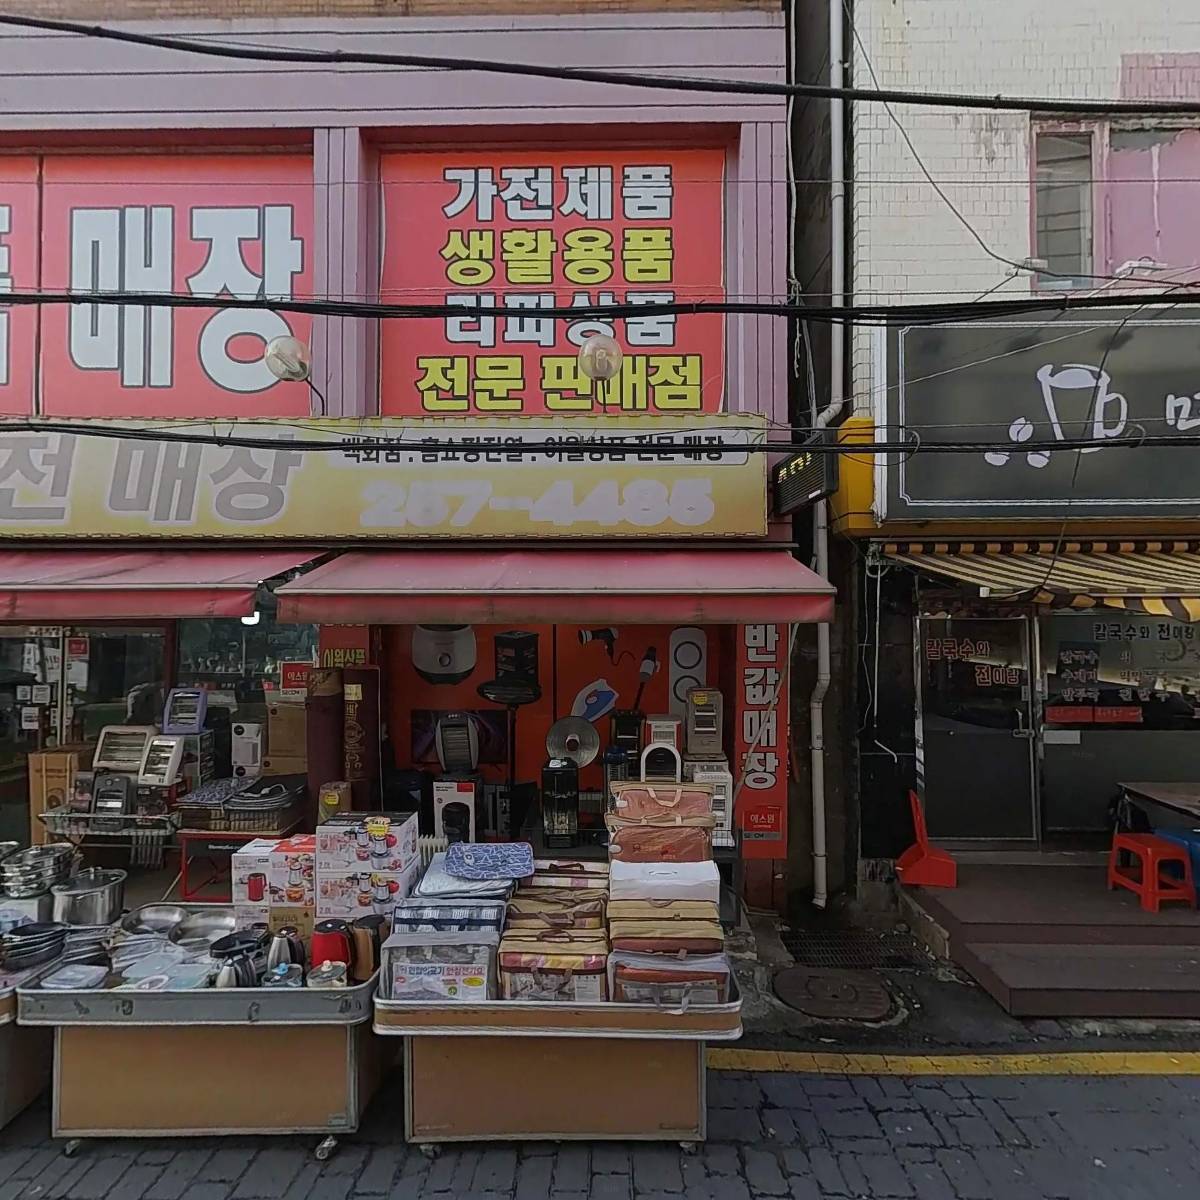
(293,680)
(667,477)
(194,225)
(1113,373)
(341,646)
(519,231)
(761,739)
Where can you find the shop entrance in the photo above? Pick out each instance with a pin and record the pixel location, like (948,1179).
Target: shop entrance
(975,739)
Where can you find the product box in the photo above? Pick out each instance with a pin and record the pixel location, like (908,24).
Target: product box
(285,764)
(301,919)
(441,965)
(334,797)
(275,872)
(287,731)
(352,894)
(52,782)
(367,842)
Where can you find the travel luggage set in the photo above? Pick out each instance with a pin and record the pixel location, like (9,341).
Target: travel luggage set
(643,928)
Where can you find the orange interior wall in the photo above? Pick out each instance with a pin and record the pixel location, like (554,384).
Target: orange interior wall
(565,666)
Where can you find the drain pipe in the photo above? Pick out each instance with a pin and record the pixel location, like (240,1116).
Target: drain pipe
(837,400)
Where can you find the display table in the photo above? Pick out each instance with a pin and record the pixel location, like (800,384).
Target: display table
(25,1054)
(526,1071)
(238,1061)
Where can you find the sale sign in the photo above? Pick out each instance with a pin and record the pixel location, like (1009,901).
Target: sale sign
(199,225)
(761,739)
(515,233)
(18,272)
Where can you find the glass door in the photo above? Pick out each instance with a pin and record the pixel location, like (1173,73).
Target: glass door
(30,715)
(975,741)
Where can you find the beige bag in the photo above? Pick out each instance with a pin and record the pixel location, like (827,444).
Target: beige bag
(557,908)
(669,802)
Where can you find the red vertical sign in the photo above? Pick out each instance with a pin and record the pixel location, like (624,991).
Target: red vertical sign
(761,738)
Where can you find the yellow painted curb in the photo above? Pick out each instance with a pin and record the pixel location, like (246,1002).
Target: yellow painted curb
(1092,1063)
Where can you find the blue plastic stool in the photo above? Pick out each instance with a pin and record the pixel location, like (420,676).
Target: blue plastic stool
(1190,839)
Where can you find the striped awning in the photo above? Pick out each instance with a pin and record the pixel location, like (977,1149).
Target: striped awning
(1157,577)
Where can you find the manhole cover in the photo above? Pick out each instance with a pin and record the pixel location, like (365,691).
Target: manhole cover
(855,949)
(833,995)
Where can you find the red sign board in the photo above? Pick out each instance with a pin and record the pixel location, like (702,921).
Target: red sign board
(232,225)
(293,679)
(761,739)
(344,645)
(521,231)
(19,272)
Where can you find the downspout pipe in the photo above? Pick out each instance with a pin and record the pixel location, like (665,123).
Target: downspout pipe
(837,401)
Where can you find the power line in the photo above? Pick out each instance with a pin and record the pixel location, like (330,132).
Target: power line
(603,445)
(743,87)
(864,314)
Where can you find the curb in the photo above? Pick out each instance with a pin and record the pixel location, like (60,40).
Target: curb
(1091,1063)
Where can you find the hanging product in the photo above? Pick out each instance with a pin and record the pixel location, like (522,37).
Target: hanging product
(444,654)
(573,738)
(560,803)
(456,739)
(516,657)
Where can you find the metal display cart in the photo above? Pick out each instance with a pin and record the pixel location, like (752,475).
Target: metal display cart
(145,837)
(25,1054)
(208,1061)
(532,1070)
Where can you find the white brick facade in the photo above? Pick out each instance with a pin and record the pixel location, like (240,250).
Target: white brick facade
(906,243)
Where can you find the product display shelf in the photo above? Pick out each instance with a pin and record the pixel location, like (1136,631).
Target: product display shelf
(209,1061)
(594,1071)
(25,1054)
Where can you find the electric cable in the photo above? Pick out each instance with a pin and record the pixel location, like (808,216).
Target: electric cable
(744,87)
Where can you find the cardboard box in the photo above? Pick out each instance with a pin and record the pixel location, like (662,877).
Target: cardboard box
(301,919)
(287,730)
(353,894)
(52,781)
(346,843)
(285,764)
(251,914)
(333,798)
(275,872)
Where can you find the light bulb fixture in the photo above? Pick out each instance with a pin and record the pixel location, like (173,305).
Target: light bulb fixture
(600,357)
(252,618)
(288,359)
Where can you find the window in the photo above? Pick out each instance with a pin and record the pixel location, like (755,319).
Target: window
(1063,207)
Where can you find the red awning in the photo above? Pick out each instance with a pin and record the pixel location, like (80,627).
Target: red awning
(491,587)
(52,585)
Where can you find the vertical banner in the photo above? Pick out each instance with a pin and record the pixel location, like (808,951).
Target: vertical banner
(521,231)
(19,246)
(228,224)
(761,739)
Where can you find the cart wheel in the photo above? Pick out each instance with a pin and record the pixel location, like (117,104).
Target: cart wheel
(430,1149)
(325,1149)
(71,1147)
(689,1147)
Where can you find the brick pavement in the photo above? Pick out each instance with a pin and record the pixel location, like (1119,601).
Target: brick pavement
(785,1137)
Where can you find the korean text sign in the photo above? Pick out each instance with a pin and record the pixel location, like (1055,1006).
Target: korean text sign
(655,476)
(520,231)
(223,225)
(761,739)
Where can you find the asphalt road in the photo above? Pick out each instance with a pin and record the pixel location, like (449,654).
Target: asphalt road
(770,1135)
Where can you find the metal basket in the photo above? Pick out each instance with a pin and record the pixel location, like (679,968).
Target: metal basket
(225,819)
(145,836)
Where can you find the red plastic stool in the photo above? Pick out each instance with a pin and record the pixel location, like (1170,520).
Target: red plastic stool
(921,865)
(1153,885)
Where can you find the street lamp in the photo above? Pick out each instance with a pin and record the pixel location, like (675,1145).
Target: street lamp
(600,358)
(290,361)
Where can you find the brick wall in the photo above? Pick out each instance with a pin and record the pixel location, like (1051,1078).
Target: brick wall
(906,241)
(112,10)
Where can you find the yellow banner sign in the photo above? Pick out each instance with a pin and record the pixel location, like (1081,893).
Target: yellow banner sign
(387,478)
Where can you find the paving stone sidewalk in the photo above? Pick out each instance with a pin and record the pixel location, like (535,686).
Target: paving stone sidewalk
(802,1137)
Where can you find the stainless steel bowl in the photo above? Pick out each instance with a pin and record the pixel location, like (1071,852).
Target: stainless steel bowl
(204,927)
(154,918)
(93,897)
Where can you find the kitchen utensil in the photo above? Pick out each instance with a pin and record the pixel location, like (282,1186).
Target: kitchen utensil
(241,941)
(199,930)
(285,975)
(93,897)
(332,943)
(285,949)
(154,918)
(237,971)
(328,975)
(368,934)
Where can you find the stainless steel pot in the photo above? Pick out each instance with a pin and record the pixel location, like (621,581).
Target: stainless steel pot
(93,897)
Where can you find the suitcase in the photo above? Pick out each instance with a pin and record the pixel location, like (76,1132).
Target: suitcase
(651,801)
(689,842)
(567,965)
(667,982)
(557,908)
(667,936)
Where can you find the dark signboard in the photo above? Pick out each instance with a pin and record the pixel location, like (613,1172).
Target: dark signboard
(1036,379)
